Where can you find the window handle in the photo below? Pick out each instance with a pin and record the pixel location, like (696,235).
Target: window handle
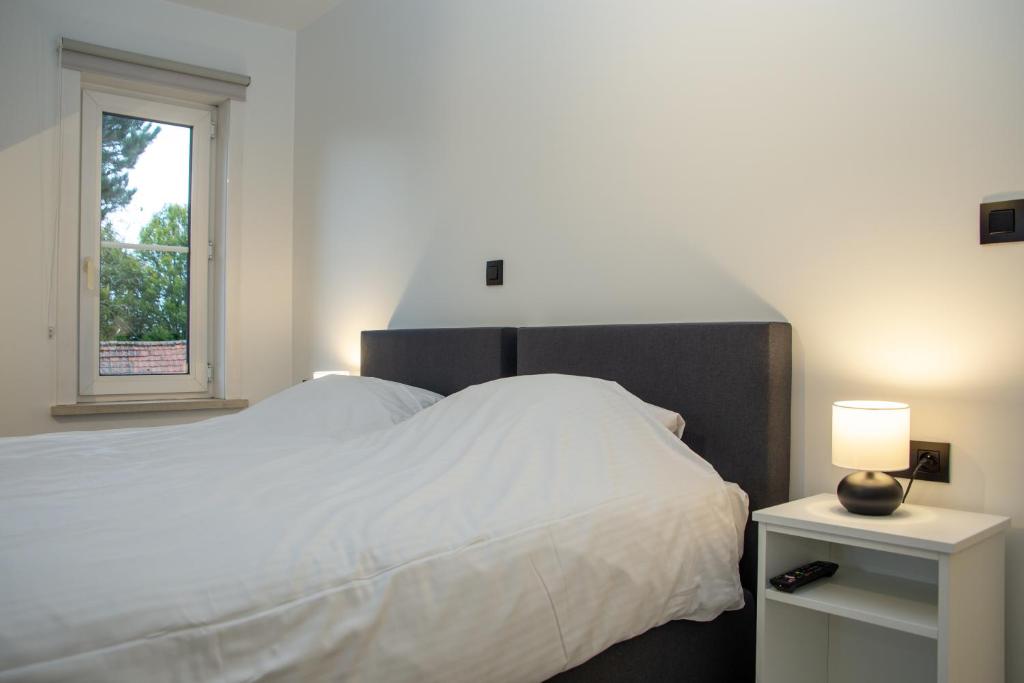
(89,267)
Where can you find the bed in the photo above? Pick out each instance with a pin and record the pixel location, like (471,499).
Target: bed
(286,544)
(731,382)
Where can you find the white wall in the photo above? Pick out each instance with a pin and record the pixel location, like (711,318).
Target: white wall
(816,162)
(28,159)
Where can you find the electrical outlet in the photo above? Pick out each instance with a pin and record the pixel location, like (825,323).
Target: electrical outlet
(929,461)
(928,472)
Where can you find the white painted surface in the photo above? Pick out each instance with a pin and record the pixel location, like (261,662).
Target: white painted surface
(799,643)
(911,526)
(197,184)
(290,14)
(820,163)
(898,658)
(972,603)
(954,597)
(28,162)
(892,602)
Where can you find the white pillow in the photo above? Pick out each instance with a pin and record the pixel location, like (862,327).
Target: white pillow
(336,406)
(670,420)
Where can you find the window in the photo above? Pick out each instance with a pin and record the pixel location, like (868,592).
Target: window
(146,288)
(145,214)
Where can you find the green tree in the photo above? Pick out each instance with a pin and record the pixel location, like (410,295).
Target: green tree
(124,141)
(166,295)
(144,294)
(121,275)
(122,286)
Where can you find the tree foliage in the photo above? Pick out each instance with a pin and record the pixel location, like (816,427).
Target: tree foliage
(124,141)
(143,294)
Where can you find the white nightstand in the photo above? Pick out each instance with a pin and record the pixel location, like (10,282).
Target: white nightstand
(918,595)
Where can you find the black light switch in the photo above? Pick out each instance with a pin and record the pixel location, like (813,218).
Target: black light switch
(1002,222)
(494,272)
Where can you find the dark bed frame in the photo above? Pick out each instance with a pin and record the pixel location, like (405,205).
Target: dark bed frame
(730,381)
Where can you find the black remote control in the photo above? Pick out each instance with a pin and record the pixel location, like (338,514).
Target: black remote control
(801,576)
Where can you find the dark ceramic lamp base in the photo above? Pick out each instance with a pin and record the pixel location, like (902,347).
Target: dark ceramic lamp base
(870,493)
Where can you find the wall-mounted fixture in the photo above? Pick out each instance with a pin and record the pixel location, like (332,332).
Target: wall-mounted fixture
(1002,222)
(870,436)
(928,460)
(495,272)
(323,373)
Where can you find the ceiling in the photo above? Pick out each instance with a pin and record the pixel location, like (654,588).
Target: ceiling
(289,14)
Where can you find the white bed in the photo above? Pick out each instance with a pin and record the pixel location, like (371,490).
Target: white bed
(345,531)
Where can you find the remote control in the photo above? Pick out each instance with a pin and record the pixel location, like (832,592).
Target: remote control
(801,576)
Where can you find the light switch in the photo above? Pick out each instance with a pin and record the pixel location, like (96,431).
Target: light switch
(494,272)
(1002,222)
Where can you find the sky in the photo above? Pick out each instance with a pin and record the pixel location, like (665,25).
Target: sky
(160,177)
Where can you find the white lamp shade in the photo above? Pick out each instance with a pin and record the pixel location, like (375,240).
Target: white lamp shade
(323,373)
(870,435)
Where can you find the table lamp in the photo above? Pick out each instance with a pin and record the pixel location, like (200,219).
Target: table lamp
(870,436)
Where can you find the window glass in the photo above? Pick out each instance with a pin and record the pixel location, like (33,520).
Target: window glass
(145,246)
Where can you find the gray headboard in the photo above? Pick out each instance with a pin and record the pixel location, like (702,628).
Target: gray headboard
(441,360)
(730,381)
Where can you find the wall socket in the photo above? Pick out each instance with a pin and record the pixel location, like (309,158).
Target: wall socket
(929,472)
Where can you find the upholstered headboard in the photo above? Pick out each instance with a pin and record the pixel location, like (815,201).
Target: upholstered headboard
(730,381)
(441,360)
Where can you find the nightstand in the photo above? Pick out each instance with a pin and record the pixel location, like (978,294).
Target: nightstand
(918,595)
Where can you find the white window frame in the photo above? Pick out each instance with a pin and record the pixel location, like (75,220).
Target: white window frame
(199,118)
(225,232)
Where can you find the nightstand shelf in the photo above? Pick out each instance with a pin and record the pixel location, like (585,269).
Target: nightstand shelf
(918,595)
(889,601)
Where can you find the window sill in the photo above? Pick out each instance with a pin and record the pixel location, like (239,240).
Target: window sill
(170,405)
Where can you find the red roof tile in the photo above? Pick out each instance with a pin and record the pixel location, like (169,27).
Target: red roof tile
(143,357)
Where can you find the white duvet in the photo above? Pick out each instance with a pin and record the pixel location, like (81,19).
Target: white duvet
(506,533)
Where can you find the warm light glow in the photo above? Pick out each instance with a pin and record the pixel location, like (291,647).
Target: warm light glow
(870,435)
(323,373)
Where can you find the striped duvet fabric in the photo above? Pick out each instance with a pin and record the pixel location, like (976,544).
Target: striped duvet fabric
(505,533)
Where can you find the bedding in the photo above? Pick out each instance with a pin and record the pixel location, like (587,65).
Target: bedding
(506,533)
(334,405)
(669,419)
